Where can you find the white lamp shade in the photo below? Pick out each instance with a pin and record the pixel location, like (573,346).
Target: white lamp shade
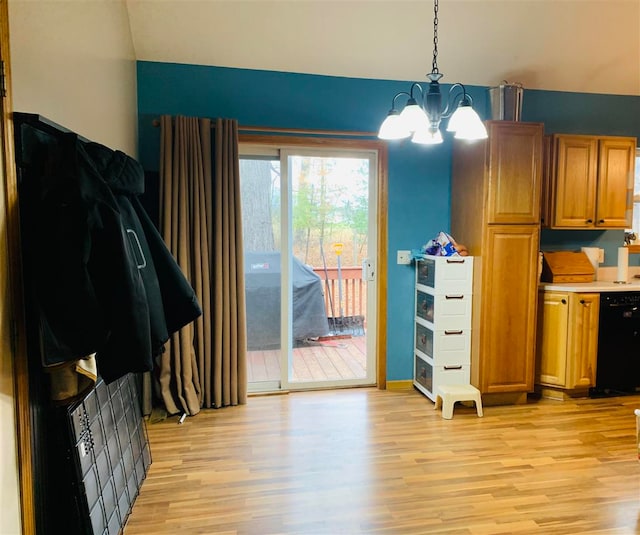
(393,127)
(456,118)
(414,117)
(427,137)
(466,123)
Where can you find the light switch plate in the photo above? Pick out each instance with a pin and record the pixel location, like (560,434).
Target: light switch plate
(601,256)
(404,257)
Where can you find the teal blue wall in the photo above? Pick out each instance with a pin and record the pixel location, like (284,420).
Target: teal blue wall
(419,186)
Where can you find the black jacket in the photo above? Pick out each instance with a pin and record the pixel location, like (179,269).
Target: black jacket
(103,278)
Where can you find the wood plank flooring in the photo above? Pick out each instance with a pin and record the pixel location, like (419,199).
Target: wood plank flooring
(325,360)
(365,461)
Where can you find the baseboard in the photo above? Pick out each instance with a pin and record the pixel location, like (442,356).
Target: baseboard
(407,384)
(504,398)
(561,394)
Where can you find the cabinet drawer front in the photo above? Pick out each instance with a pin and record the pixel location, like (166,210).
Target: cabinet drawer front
(445,347)
(450,375)
(427,377)
(442,274)
(444,311)
(423,375)
(424,339)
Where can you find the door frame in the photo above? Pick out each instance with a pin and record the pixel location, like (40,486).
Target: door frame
(326,143)
(24,431)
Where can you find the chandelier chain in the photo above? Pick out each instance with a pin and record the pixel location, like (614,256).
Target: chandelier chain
(434,63)
(421,119)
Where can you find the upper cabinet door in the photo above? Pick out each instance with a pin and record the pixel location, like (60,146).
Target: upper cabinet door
(590,182)
(615,182)
(576,169)
(515,172)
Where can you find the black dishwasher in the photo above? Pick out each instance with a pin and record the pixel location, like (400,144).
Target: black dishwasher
(618,367)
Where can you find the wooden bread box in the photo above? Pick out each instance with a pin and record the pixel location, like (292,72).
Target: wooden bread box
(566,266)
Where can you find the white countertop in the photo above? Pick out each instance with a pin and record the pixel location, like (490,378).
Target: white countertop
(633,285)
(606,276)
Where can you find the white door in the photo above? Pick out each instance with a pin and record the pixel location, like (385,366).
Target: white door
(309,230)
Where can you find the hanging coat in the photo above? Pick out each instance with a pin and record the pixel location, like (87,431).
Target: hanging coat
(104,281)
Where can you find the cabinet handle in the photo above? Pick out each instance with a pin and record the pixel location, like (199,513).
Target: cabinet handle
(455,260)
(452,332)
(563,301)
(454,296)
(582,301)
(589,220)
(458,367)
(601,221)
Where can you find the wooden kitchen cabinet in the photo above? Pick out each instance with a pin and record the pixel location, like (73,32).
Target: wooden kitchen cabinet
(506,352)
(589,182)
(514,176)
(567,343)
(495,213)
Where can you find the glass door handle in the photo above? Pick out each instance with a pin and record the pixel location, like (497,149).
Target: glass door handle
(368,270)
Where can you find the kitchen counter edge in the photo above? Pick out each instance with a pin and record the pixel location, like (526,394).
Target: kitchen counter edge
(633,285)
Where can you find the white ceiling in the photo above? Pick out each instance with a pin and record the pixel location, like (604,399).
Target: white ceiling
(588,46)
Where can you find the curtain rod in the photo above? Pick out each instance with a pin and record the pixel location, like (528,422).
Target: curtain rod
(299,131)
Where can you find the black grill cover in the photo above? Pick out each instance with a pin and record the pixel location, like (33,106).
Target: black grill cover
(262,283)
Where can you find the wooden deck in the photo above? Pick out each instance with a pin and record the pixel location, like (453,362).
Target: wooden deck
(331,359)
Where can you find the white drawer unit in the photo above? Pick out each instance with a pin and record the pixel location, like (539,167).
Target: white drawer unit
(444,274)
(442,326)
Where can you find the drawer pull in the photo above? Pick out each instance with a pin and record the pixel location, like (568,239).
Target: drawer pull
(454,296)
(458,367)
(455,260)
(452,332)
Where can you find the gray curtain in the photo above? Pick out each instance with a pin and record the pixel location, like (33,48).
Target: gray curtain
(204,364)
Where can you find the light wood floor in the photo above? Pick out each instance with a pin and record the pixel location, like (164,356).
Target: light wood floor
(364,461)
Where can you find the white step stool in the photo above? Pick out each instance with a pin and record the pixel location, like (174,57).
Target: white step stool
(447,395)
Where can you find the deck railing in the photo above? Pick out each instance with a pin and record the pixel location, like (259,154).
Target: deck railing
(348,284)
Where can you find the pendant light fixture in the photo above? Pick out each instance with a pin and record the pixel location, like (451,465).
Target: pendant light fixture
(423,112)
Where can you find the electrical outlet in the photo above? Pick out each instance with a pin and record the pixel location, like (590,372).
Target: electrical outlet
(404,257)
(601,256)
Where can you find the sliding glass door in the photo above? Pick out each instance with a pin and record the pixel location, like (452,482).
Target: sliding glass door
(309,230)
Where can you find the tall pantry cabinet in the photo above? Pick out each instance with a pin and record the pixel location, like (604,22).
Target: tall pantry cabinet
(495,211)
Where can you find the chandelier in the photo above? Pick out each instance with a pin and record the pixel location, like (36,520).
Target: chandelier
(423,112)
